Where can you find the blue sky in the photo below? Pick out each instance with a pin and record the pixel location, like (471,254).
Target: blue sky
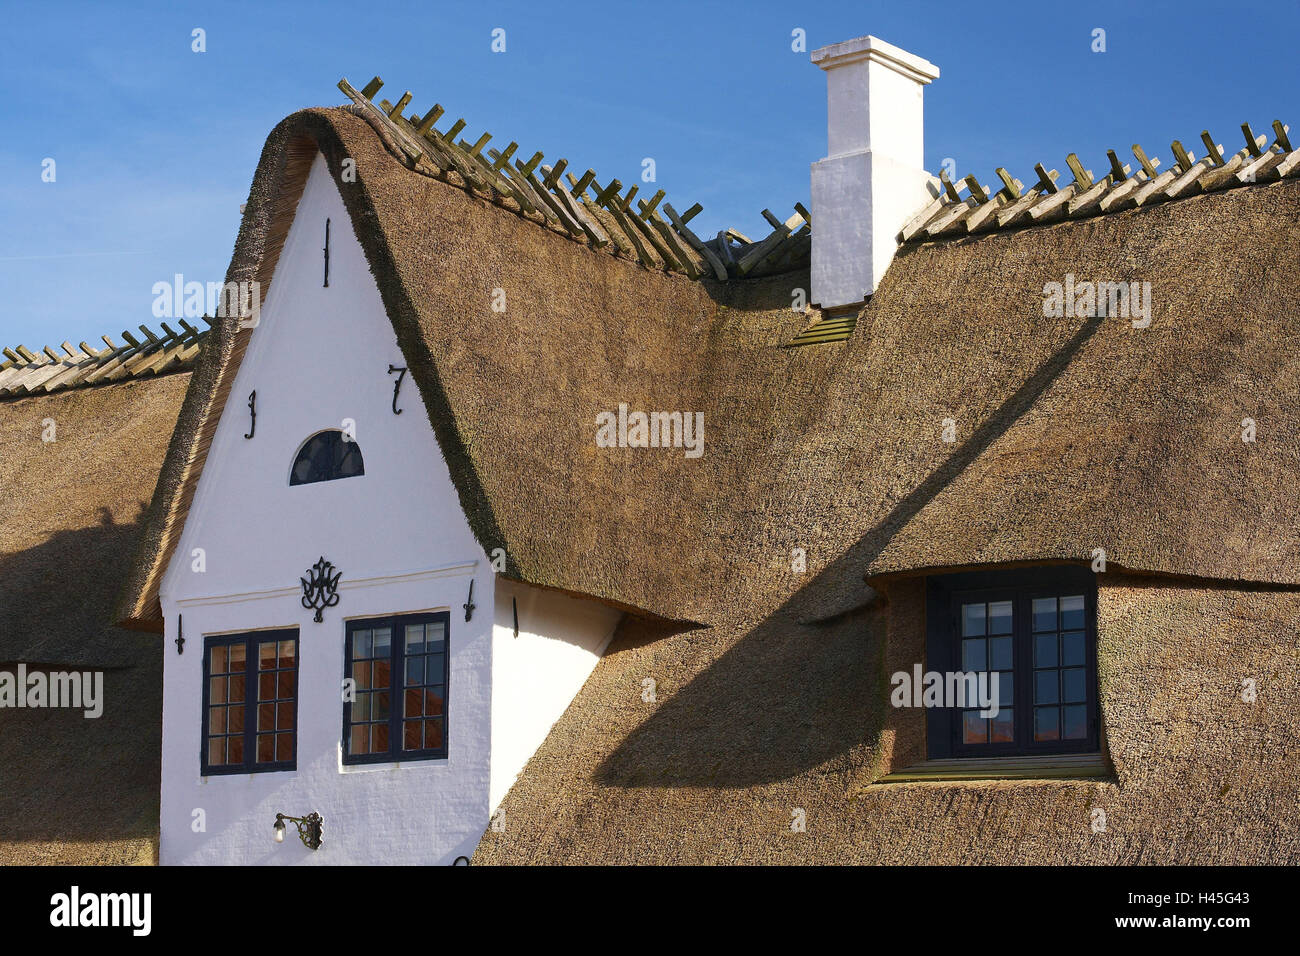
(155,145)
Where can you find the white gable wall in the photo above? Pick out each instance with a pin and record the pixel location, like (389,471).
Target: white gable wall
(402,543)
(397,534)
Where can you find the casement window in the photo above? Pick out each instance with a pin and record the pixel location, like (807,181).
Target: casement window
(1034,628)
(250,702)
(326,456)
(398,706)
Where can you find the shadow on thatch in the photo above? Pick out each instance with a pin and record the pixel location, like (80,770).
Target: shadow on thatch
(57,599)
(791,695)
(69,779)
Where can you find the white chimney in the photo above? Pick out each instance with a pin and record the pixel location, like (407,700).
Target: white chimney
(872,180)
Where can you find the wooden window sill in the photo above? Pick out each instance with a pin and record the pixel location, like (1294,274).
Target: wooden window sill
(1047,768)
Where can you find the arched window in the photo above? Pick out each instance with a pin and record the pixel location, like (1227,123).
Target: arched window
(325,456)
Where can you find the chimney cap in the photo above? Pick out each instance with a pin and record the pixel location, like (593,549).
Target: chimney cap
(876,50)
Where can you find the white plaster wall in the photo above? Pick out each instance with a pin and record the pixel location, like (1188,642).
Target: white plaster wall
(537,674)
(398,536)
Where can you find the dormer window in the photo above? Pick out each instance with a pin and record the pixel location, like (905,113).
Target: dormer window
(1036,629)
(325,456)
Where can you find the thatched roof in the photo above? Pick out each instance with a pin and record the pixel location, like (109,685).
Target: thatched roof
(80,790)
(1072,434)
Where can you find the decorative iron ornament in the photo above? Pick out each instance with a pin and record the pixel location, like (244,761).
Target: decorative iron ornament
(252,413)
(180,633)
(470,605)
(401,370)
(320,587)
(309,829)
(327,253)
(514,604)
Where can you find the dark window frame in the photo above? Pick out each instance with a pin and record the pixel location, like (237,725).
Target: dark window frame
(397,671)
(333,471)
(250,640)
(946,594)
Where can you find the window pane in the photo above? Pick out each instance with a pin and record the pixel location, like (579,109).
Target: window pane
(288,652)
(382,641)
(361,674)
(234,750)
(379,738)
(265,655)
(433,702)
(1003,728)
(266,686)
(1006,685)
(237,659)
(361,708)
(1045,723)
(972,619)
(411,705)
(286,685)
(235,688)
(360,740)
(1072,648)
(382,676)
(1072,613)
(974,656)
(381,705)
(1000,617)
(1045,614)
(284,715)
(415,670)
(974,728)
(435,670)
(235,720)
(433,735)
(1045,687)
(1000,653)
(266,717)
(284,746)
(415,639)
(265,748)
(360,644)
(1076,722)
(1045,650)
(216,720)
(434,636)
(217,751)
(217,663)
(217,690)
(1074,685)
(411,736)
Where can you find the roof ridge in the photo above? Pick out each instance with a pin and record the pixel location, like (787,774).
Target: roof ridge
(603,219)
(949,215)
(24,373)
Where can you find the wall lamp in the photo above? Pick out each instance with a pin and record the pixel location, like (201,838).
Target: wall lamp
(309,828)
